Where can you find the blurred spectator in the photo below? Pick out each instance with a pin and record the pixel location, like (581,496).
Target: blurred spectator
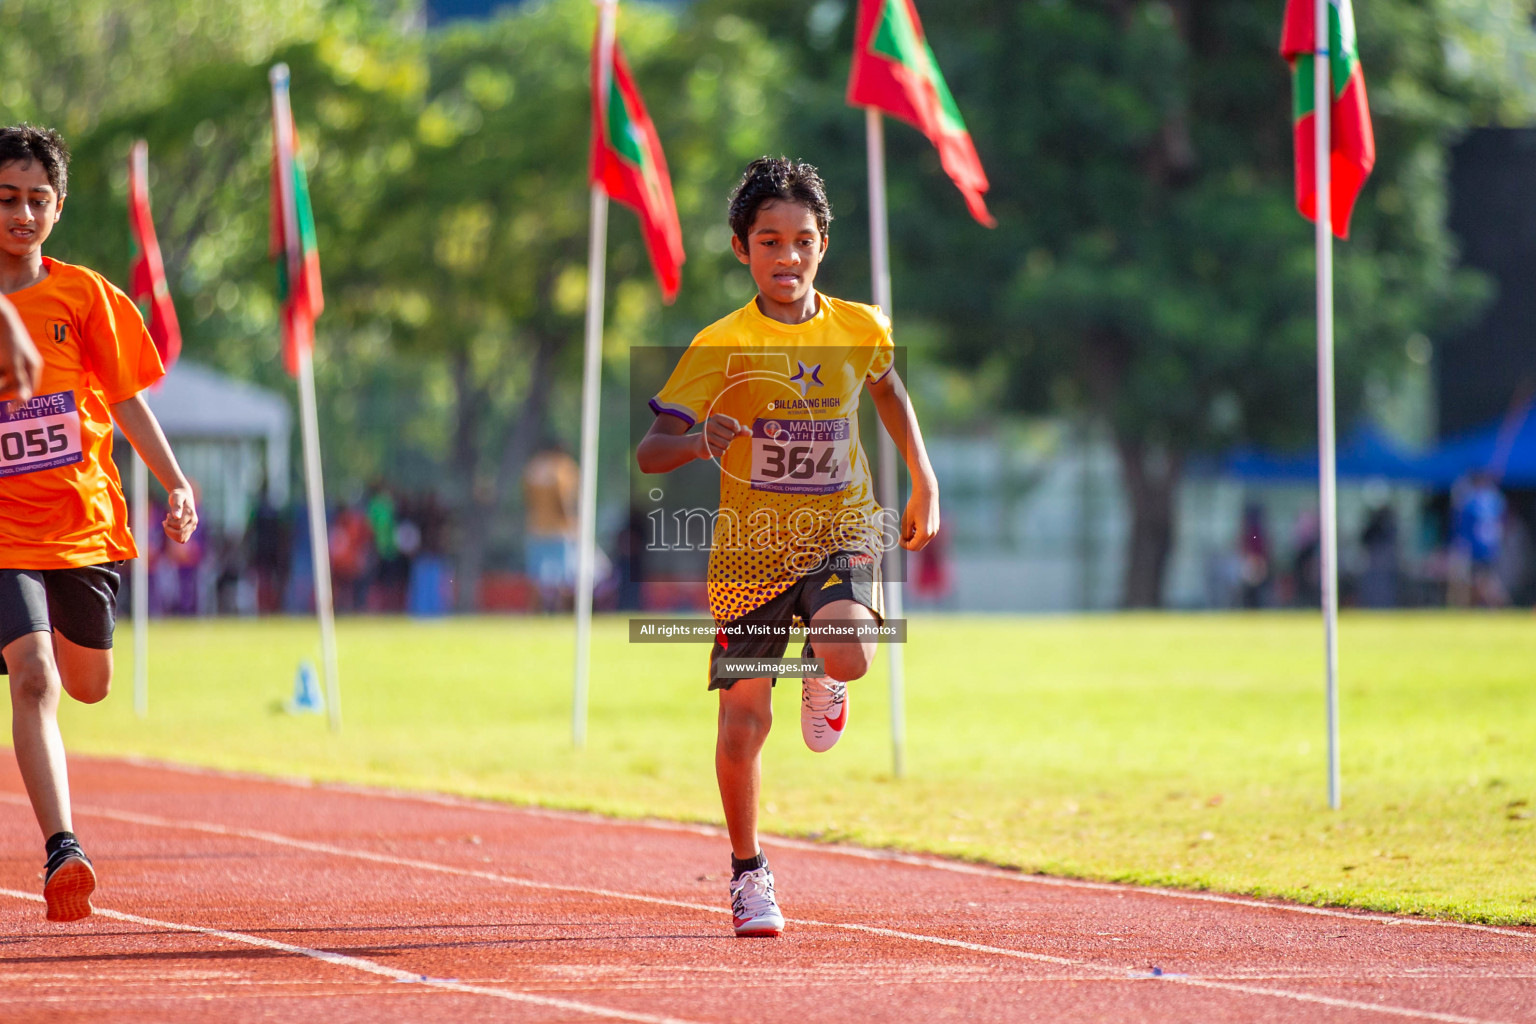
(1477,535)
(185,576)
(1514,563)
(931,580)
(392,568)
(550,484)
(430,590)
(299,595)
(269,560)
(234,586)
(351,547)
(1307,559)
(1378,580)
(1253,556)
(630,568)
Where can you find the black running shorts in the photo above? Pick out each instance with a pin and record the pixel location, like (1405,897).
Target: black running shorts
(80,604)
(846,576)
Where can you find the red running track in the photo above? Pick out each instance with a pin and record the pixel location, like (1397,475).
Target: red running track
(235,899)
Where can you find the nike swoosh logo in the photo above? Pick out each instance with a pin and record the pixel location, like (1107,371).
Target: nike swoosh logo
(836,724)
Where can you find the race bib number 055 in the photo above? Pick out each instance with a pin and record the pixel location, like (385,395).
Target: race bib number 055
(801,456)
(39,434)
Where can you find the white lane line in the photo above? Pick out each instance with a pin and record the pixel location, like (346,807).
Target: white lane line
(1016,954)
(889,856)
(358,963)
(1346,1004)
(1176,979)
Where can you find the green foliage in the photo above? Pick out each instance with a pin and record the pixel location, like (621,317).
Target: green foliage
(1148,262)
(1148,265)
(70,65)
(448,172)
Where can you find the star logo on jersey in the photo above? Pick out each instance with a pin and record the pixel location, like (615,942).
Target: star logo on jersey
(807,376)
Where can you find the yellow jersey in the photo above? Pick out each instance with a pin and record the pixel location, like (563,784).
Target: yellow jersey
(799,489)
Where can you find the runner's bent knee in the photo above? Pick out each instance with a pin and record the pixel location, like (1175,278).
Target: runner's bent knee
(90,686)
(846,662)
(86,672)
(34,677)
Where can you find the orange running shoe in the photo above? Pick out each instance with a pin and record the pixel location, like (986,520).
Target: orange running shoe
(68,882)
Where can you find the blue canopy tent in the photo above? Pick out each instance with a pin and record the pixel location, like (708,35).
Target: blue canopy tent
(1506,448)
(1366,452)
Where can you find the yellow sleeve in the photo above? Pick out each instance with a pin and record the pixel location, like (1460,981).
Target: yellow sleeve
(696,381)
(117,347)
(884,356)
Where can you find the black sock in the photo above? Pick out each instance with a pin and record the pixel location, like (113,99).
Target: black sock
(740,867)
(58,841)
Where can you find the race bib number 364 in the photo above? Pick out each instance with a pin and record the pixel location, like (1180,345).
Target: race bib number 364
(801,456)
(39,434)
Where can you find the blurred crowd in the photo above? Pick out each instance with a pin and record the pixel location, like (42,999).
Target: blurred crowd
(392,552)
(388,553)
(1468,548)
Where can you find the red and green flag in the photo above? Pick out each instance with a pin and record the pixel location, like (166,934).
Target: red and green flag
(293,232)
(894,71)
(628,164)
(146,269)
(1352,145)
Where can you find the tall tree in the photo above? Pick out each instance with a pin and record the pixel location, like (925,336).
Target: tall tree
(483,237)
(1147,265)
(448,174)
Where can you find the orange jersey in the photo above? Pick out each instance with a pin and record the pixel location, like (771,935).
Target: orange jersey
(799,488)
(61,502)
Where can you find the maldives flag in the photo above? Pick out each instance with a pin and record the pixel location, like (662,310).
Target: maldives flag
(293,232)
(627,162)
(146,270)
(894,71)
(1352,145)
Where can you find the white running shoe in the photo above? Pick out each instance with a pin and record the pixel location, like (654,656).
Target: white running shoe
(754,910)
(823,712)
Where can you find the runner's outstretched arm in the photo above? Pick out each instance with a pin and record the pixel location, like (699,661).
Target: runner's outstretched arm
(668,445)
(19,361)
(143,431)
(920,521)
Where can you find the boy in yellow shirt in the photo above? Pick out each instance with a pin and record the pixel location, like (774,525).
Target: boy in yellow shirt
(63,520)
(774,388)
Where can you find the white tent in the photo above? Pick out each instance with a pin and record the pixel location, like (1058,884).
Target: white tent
(228,434)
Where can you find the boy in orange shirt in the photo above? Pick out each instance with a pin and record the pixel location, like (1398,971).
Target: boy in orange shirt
(775,389)
(63,520)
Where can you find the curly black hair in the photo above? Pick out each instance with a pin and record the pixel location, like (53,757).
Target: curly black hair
(24,143)
(768,179)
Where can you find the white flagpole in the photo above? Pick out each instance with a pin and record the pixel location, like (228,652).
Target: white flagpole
(597,246)
(141,588)
(890,489)
(319,546)
(314,484)
(140,158)
(1322,101)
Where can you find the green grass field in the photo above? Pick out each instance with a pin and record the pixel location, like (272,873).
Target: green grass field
(1172,750)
